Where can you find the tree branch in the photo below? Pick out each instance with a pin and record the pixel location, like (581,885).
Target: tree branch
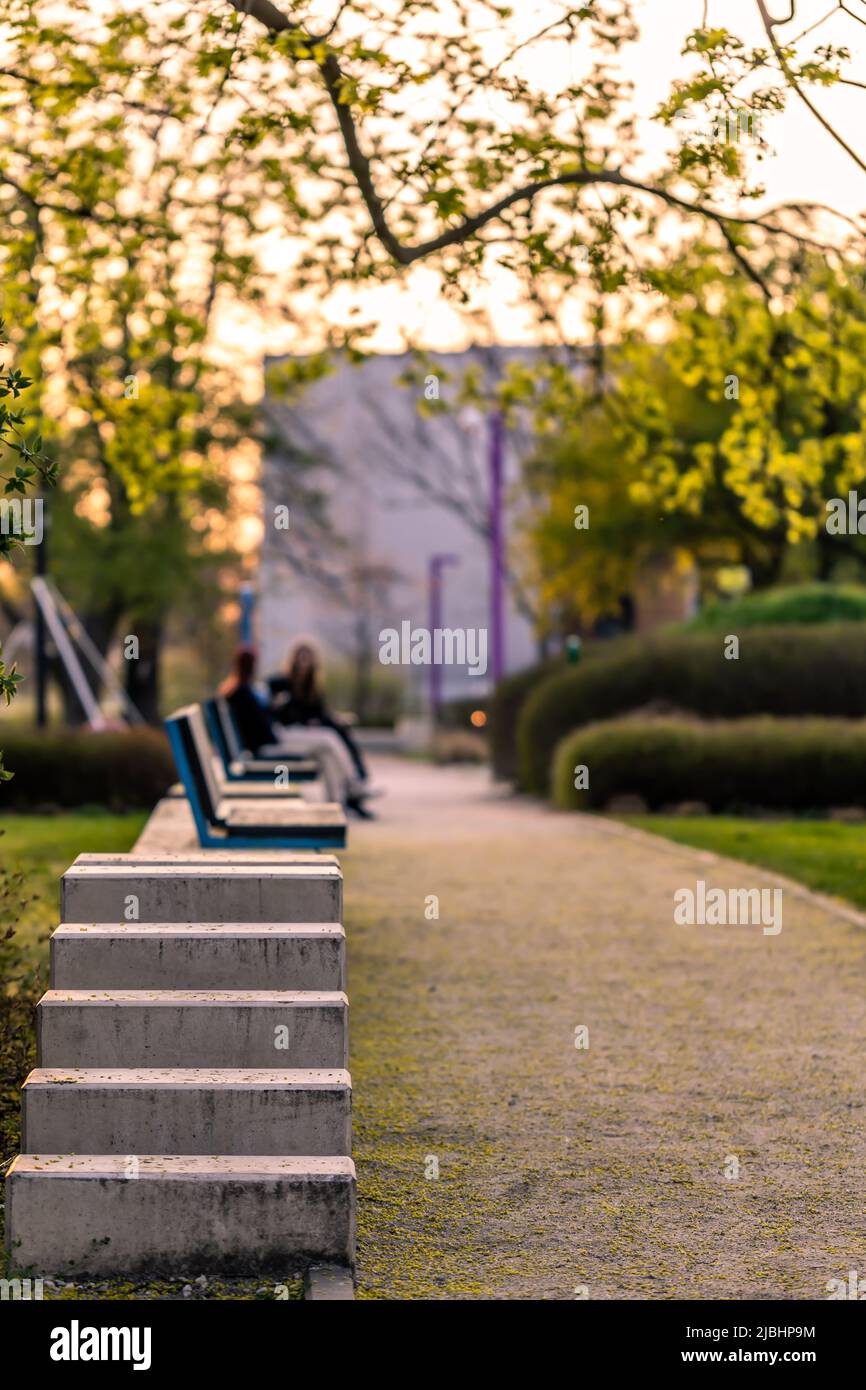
(770,26)
(859,18)
(745,265)
(406,254)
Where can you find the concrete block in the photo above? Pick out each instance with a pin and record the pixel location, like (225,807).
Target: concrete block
(170,1216)
(205,857)
(206,955)
(176,1111)
(219,891)
(176,1028)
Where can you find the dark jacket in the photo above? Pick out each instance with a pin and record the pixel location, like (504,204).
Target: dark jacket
(253,724)
(287,708)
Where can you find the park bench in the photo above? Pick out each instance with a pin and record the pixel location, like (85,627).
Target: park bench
(238,764)
(257,824)
(225,792)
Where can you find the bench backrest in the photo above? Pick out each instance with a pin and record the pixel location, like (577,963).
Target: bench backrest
(190,772)
(204,753)
(230,730)
(218,734)
(229,745)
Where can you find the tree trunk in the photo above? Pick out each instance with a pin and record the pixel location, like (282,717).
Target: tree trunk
(143,668)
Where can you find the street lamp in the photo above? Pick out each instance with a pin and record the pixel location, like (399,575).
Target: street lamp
(497,546)
(436,566)
(471,419)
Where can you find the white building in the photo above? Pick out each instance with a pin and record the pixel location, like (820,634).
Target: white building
(374,490)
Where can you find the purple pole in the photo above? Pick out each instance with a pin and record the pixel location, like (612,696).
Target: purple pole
(497,545)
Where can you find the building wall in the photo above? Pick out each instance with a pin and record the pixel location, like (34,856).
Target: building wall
(366,429)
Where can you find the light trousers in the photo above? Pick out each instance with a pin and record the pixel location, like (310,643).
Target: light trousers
(329,750)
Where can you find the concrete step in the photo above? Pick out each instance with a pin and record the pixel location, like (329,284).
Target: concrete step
(203,1028)
(213,891)
(206,857)
(175,1111)
(199,955)
(172,1216)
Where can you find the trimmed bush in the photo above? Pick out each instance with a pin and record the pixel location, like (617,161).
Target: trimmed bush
(788,671)
(73,767)
(504,709)
(801,603)
(509,697)
(779,764)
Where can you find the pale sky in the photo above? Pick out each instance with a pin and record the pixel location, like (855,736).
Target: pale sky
(806,164)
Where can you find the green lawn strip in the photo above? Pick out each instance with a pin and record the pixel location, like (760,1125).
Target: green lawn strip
(42,847)
(824,855)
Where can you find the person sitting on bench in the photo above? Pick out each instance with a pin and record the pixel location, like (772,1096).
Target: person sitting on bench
(260,735)
(250,713)
(297,701)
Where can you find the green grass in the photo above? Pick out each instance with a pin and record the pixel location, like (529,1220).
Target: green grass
(824,855)
(42,847)
(799,603)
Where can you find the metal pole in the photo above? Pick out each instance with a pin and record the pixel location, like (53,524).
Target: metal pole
(434,621)
(248,598)
(497,546)
(41,655)
(436,565)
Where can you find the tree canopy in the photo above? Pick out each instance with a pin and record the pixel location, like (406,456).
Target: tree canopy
(163,164)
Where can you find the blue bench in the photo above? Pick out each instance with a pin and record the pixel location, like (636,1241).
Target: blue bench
(254,823)
(238,764)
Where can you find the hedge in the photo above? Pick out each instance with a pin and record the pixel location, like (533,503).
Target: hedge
(504,708)
(801,603)
(75,767)
(788,671)
(511,693)
(789,764)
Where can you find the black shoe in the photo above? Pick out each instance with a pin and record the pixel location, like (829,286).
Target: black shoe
(356,805)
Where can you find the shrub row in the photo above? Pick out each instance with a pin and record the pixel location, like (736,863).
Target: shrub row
(791,764)
(801,603)
(788,671)
(71,767)
(504,708)
(511,694)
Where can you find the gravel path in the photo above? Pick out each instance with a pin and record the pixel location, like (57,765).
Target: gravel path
(599,1172)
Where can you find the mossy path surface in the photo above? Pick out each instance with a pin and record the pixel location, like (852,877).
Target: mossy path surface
(711,1050)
